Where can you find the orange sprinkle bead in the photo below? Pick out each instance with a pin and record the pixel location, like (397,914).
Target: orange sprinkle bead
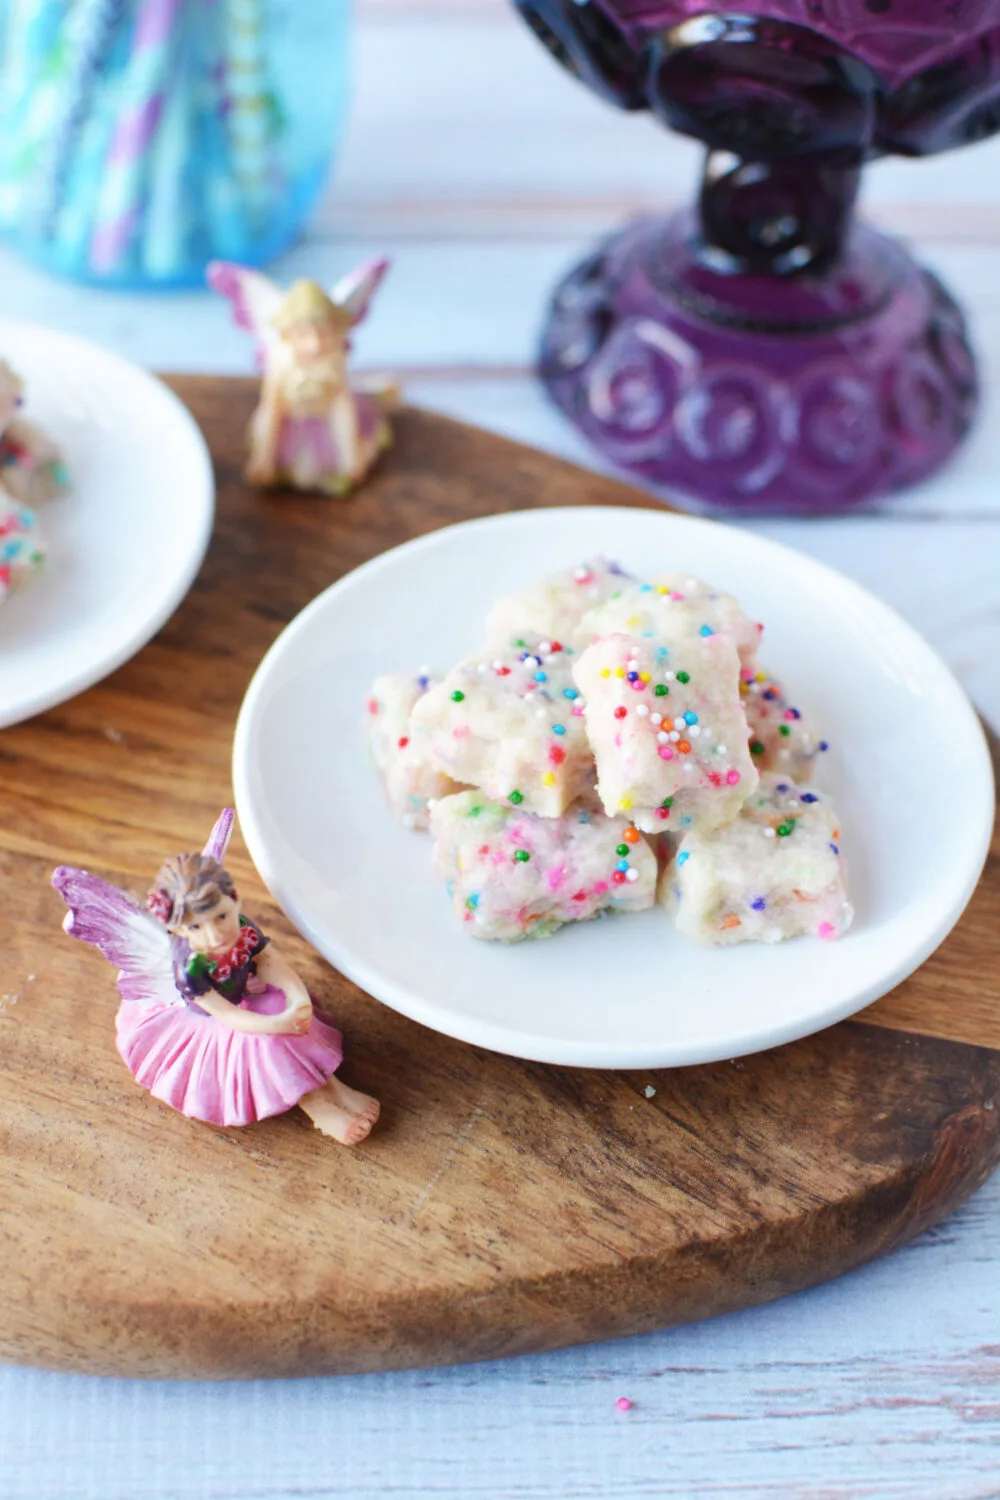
(631,835)
(684,747)
(731,921)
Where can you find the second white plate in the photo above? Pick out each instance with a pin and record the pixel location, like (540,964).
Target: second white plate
(627,992)
(125,543)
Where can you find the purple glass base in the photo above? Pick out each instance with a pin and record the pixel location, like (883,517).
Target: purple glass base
(801,394)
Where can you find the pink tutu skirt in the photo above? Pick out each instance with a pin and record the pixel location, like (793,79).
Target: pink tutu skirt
(307,453)
(201,1068)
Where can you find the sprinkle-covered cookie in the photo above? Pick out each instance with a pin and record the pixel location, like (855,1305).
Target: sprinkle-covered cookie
(780,738)
(510,722)
(673,607)
(553,608)
(32,467)
(511,875)
(774,873)
(667,729)
(22,550)
(410,781)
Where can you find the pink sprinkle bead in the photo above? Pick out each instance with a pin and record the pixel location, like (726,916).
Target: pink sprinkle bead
(826,931)
(623,1403)
(732,777)
(666,753)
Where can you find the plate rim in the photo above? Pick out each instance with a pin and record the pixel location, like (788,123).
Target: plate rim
(505,1039)
(72,684)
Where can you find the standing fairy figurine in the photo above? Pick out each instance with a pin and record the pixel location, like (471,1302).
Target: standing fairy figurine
(212,1020)
(313,429)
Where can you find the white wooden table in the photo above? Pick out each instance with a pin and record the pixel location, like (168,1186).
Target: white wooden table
(483,171)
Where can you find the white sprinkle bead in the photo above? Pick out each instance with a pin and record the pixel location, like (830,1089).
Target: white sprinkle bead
(662,737)
(632,876)
(669,676)
(673,736)
(656,718)
(769,833)
(642,711)
(720,749)
(545,647)
(693,731)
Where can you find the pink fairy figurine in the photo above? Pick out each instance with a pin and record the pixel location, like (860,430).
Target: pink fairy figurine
(313,429)
(212,1020)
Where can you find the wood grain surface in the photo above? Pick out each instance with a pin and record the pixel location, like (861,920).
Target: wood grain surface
(500,1206)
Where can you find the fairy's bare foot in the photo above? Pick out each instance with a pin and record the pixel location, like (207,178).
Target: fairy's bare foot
(344,1113)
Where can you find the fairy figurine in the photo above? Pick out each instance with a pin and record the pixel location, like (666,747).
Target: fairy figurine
(213,1021)
(313,429)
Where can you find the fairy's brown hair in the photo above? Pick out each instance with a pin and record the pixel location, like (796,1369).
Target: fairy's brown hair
(187,885)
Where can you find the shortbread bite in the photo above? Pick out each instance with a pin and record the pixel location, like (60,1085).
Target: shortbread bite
(780,738)
(22,550)
(667,729)
(511,875)
(672,608)
(552,609)
(32,468)
(774,873)
(409,780)
(511,723)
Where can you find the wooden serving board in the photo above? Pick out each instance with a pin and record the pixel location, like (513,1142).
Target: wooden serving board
(500,1206)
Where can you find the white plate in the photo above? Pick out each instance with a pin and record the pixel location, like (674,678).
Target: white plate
(909,770)
(125,543)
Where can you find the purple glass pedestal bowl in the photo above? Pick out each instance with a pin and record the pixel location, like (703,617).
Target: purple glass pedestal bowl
(765,352)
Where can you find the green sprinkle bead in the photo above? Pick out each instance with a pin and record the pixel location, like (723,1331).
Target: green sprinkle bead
(516,797)
(457,696)
(623,851)
(661,690)
(756,748)
(522,856)
(684,677)
(667,802)
(784,829)
(784,729)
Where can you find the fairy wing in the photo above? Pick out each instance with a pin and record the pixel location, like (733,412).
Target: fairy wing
(218,839)
(129,937)
(255,300)
(356,290)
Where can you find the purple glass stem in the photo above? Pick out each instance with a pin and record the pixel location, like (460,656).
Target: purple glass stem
(766,352)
